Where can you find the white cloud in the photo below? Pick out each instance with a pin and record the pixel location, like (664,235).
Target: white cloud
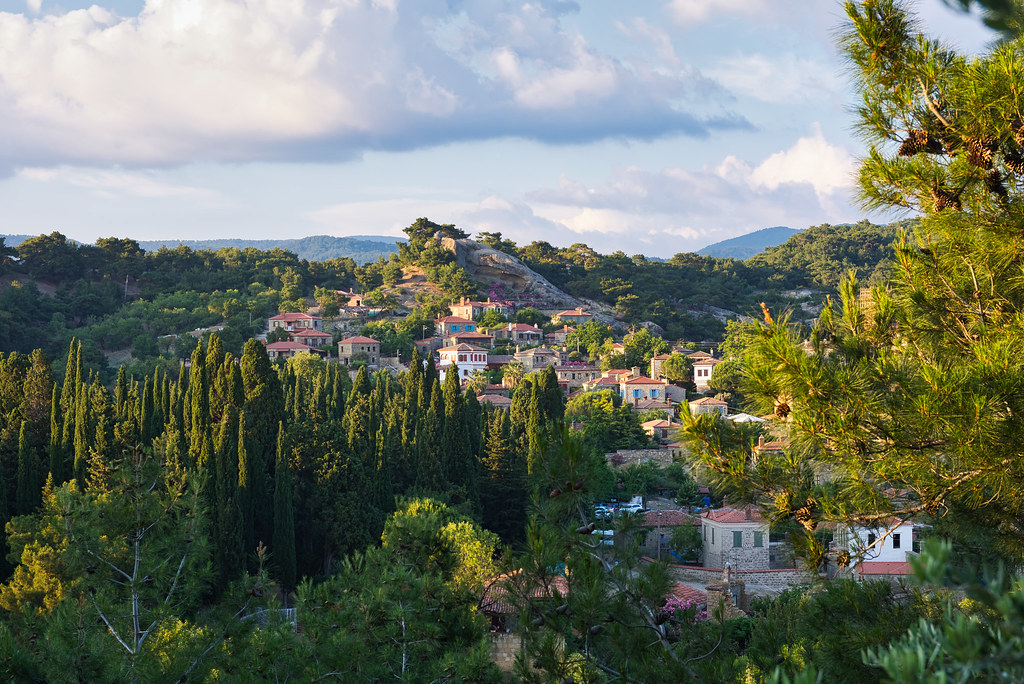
(786,79)
(34,6)
(812,161)
(110,183)
(677,209)
(695,11)
(239,80)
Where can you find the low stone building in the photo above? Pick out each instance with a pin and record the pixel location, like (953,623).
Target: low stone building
(737,537)
(538,358)
(350,346)
(709,405)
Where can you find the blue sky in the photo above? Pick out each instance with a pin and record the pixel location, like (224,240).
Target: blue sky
(652,127)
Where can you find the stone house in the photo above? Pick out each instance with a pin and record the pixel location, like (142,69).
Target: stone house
(659,526)
(572,377)
(349,298)
(287,349)
(735,536)
(638,388)
(538,358)
(656,362)
(575,316)
(559,336)
(353,345)
(709,405)
(519,333)
(661,430)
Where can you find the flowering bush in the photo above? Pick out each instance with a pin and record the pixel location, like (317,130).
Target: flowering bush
(680,611)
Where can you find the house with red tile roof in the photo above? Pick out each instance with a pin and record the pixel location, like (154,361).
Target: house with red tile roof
(636,389)
(449,325)
(519,333)
(661,430)
(538,358)
(287,349)
(574,376)
(735,536)
(472,337)
(575,316)
(311,337)
(291,320)
(559,336)
(469,309)
(350,346)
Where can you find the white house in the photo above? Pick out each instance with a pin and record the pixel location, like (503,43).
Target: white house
(466,357)
(702,371)
(878,551)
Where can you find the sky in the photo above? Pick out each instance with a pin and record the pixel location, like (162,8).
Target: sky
(649,126)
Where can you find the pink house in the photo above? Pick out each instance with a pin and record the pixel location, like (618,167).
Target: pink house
(295,321)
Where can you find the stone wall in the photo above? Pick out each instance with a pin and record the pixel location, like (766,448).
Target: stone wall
(505,646)
(776,579)
(629,457)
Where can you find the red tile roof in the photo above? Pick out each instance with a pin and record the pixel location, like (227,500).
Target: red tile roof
(573,312)
(494,399)
(708,401)
(462,346)
(669,519)
(684,592)
(735,515)
(643,380)
(286,345)
(310,332)
(523,327)
(472,334)
(359,339)
(497,599)
(453,319)
(293,316)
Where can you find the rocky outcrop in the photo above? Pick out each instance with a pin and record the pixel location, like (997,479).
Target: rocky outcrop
(489,266)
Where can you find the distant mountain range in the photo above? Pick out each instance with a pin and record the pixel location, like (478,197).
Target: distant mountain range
(360,248)
(745,246)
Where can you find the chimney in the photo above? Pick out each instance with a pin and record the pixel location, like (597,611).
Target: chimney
(746,513)
(636,372)
(760,442)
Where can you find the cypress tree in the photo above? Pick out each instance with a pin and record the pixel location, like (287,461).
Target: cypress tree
(230,536)
(284,516)
(245,489)
(57,466)
(28,487)
(81,444)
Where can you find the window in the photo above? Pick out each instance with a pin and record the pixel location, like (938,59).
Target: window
(654,394)
(758,540)
(895,541)
(712,536)
(871,538)
(737,539)
(636,394)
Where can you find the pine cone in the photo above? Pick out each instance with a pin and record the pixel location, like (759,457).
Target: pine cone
(944,199)
(1018,131)
(980,151)
(781,409)
(994,183)
(919,141)
(1014,161)
(805,516)
(843,559)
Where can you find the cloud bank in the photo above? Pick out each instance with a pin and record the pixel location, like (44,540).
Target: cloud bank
(241,80)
